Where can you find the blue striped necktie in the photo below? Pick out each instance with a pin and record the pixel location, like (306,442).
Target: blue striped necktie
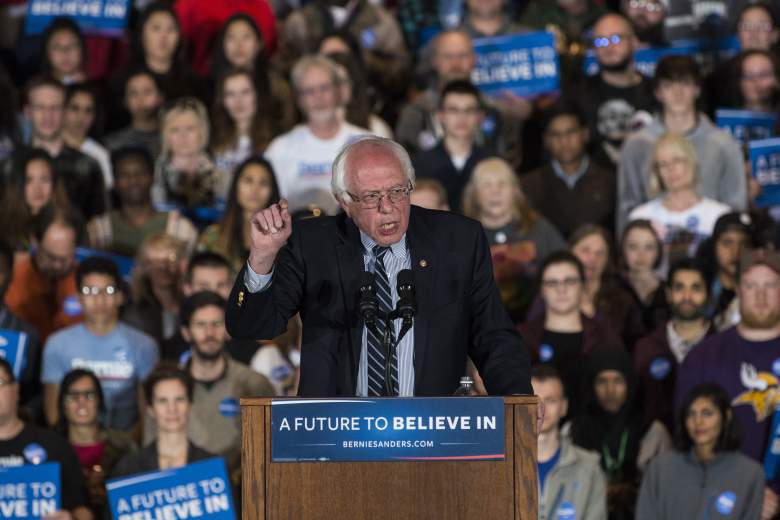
(375,350)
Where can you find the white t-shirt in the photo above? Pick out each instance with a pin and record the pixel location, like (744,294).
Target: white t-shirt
(302,163)
(680,230)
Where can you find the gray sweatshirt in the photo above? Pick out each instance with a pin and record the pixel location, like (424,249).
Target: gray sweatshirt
(676,486)
(721,168)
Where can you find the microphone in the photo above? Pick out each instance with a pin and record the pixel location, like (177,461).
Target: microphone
(368,304)
(406,307)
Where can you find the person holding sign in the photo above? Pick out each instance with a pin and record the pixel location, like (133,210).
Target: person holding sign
(318,273)
(168,391)
(22,444)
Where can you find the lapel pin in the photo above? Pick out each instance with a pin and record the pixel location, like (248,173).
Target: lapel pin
(240,298)
(423,263)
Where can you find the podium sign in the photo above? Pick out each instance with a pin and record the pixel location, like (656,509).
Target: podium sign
(440,428)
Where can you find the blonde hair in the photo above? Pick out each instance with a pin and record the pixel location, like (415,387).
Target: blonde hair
(521,209)
(178,107)
(655,186)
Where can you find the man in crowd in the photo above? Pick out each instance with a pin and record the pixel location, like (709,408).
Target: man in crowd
(28,359)
(571,483)
(459,311)
(219,380)
(83,179)
(118,354)
(23,444)
(303,156)
(647,19)
(453,159)
(676,86)
(612,97)
(744,359)
(658,355)
(418,127)
(43,288)
(206,271)
(570,190)
(123,230)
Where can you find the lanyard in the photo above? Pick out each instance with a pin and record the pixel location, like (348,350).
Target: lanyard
(611,464)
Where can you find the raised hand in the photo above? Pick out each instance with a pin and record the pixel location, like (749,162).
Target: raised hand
(270,229)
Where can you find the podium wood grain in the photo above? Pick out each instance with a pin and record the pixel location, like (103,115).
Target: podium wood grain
(390,490)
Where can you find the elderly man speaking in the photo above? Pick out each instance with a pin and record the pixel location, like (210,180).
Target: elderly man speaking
(319,267)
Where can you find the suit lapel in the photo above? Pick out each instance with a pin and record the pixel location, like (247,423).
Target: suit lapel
(425,266)
(350,264)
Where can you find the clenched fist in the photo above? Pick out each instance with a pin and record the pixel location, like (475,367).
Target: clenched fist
(270,229)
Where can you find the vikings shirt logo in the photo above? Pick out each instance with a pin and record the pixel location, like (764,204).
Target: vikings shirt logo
(763,391)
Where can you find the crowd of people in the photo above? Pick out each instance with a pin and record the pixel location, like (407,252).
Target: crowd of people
(626,240)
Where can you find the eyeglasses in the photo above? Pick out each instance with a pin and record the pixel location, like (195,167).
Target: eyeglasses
(606,41)
(75,395)
(317,89)
(373,199)
(651,7)
(95,291)
(566,282)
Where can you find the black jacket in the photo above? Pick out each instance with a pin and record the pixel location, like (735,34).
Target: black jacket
(459,311)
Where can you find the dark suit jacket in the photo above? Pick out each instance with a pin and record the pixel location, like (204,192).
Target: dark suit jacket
(459,311)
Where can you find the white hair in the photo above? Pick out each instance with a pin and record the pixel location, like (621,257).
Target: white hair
(338,182)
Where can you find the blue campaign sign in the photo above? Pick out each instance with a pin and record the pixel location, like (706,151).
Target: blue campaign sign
(745,125)
(646,59)
(30,491)
(772,454)
(436,428)
(94,17)
(197,490)
(13,348)
(765,164)
(526,64)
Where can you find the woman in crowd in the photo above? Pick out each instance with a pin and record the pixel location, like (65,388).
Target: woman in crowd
(33,184)
(705,476)
(156,46)
(604,297)
(80,403)
(241,125)
(681,217)
(141,96)
(519,237)
(81,112)
(355,90)
(185,176)
(64,55)
(240,45)
(157,274)
(610,424)
(168,391)
(640,256)
(254,188)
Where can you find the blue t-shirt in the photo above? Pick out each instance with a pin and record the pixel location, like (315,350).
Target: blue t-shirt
(546,467)
(120,359)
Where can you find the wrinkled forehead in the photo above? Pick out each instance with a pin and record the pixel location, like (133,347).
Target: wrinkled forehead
(370,166)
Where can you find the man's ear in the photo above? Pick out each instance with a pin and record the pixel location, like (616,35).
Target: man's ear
(344,206)
(564,407)
(185,333)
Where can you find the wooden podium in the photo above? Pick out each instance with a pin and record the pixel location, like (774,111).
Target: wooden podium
(390,490)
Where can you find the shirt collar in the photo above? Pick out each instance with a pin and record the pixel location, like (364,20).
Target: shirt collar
(679,346)
(398,249)
(571,180)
